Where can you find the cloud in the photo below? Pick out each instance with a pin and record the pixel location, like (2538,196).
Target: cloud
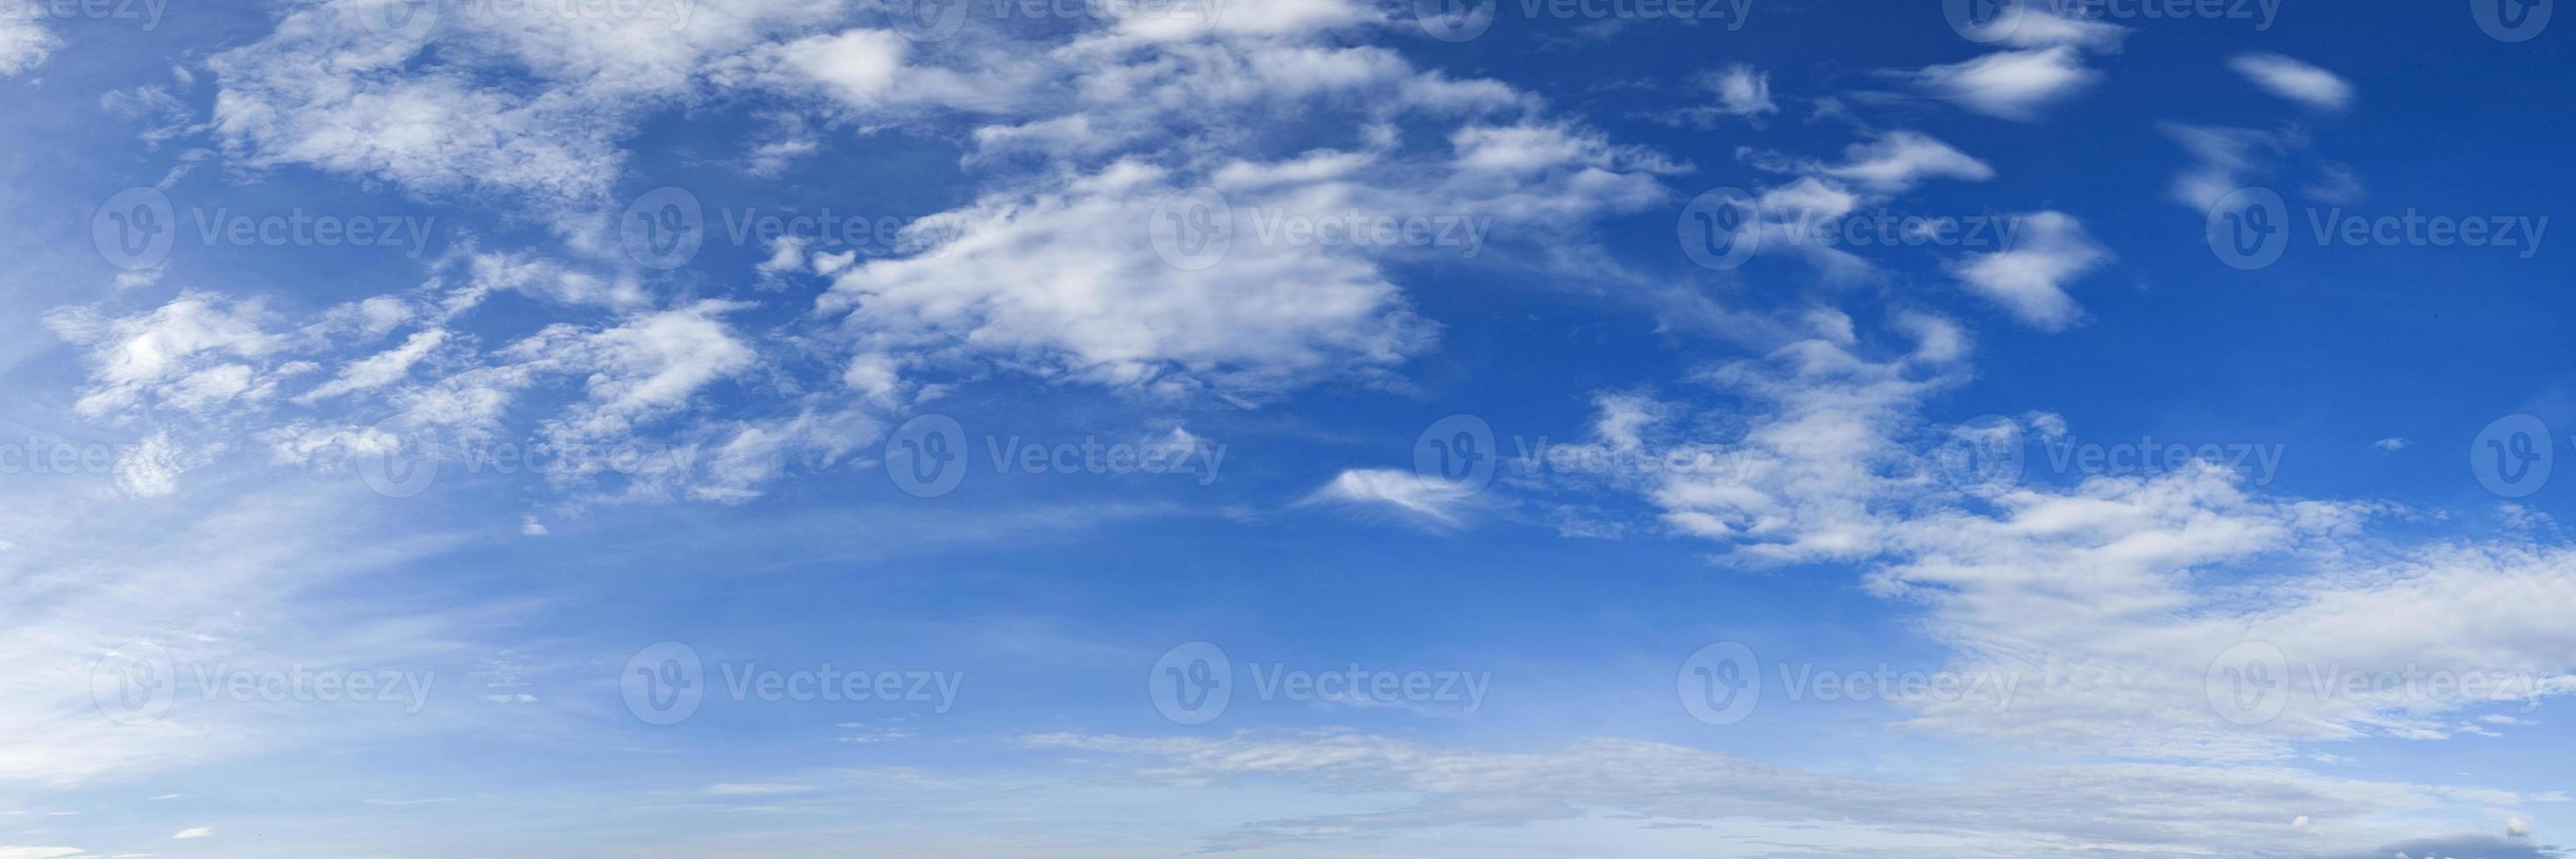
(2035,26)
(24,41)
(1896,161)
(2225,157)
(2294,80)
(194,832)
(1742,91)
(194,353)
(2017,809)
(2391,445)
(2085,585)
(2477,845)
(1436,502)
(2029,278)
(2010,84)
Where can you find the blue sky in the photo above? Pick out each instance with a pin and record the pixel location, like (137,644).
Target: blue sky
(1304,428)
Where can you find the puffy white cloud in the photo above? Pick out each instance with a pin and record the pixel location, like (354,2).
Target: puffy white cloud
(2029,277)
(1895,162)
(189,353)
(24,41)
(2108,595)
(2010,84)
(2294,80)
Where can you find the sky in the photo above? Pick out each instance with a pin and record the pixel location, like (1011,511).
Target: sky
(1285,428)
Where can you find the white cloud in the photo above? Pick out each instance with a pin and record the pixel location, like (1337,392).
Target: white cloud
(15,852)
(151,468)
(1742,91)
(2048,250)
(187,352)
(2225,157)
(194,832)
(2090,590)
(378,370)
(2391,445)
(1437,502)
(24,41)
(2010,84)
(2017,809)
(2035,26)
(2294,80)
(1896,161)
